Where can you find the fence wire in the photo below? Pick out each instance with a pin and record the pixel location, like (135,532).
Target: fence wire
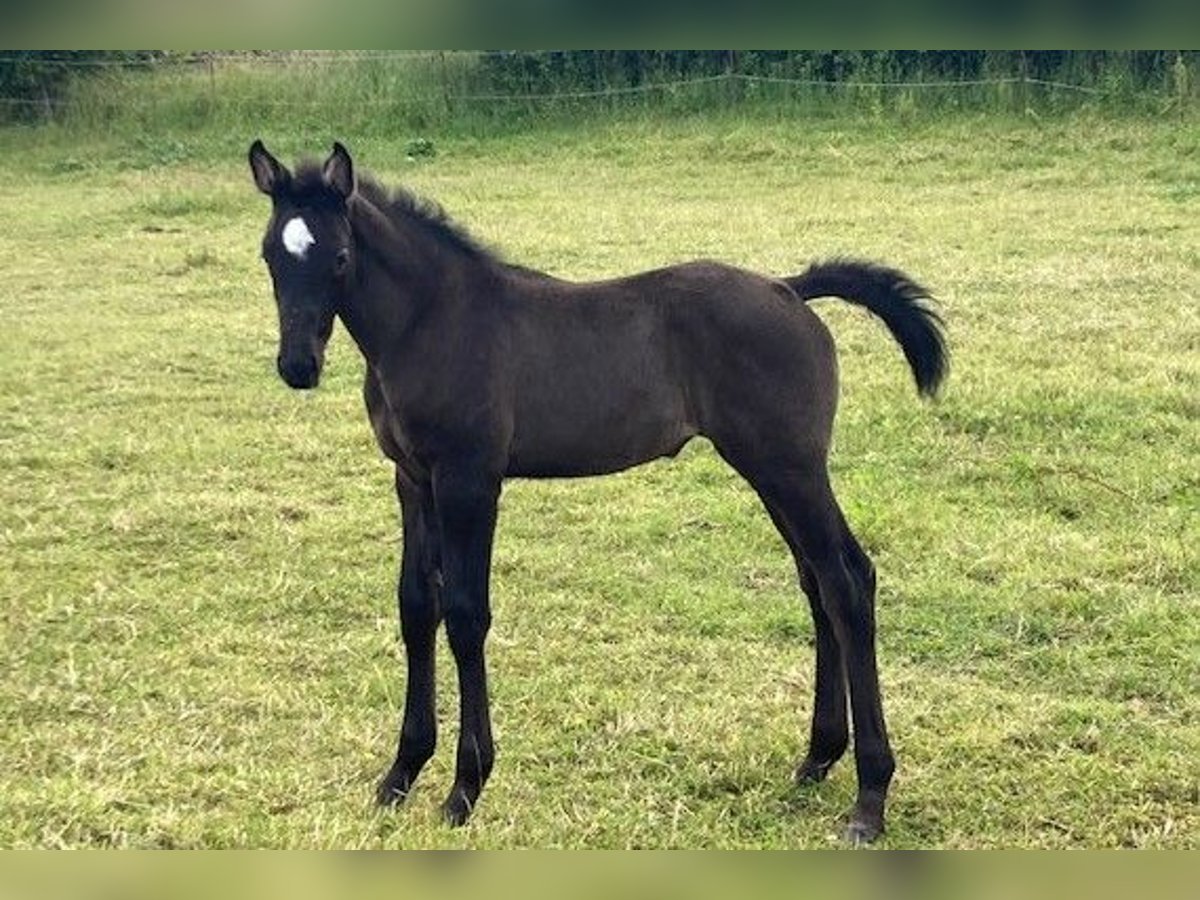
(451,91)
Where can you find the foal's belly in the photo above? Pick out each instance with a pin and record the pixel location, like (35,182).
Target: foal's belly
(593,389)
(588,443)
(604,463)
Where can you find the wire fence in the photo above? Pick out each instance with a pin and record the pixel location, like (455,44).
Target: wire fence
(51,86)
(652,87)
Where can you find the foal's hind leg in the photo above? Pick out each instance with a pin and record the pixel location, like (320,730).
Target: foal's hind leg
(829,735)
(845,582)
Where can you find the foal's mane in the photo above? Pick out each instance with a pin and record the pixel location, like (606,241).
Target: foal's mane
(402,207)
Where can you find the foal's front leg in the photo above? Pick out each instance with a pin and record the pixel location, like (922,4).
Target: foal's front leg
(418,601)
(466,511)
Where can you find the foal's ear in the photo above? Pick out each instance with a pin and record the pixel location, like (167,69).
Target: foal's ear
(339,171)
(269,173)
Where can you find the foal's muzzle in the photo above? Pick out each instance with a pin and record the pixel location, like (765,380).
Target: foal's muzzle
(301,373)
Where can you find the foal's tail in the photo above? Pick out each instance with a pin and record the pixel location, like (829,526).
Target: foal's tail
(902,304)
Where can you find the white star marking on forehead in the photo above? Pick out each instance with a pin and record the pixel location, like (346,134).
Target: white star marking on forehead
(297,238)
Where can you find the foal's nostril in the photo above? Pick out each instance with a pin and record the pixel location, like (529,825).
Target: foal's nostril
(299,373)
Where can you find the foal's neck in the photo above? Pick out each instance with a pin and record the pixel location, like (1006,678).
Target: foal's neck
(402,275)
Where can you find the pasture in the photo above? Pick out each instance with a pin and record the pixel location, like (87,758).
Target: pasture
(199,629)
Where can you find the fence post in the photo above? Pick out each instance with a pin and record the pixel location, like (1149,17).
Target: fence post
(1023,91)
(733,84)
(1180,75)
(445,84)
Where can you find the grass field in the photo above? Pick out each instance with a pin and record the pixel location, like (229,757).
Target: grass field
(199,640)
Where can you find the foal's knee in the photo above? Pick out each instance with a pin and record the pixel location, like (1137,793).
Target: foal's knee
(466,628)
(418,617)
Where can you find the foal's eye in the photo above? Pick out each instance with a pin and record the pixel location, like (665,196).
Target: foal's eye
(342,260)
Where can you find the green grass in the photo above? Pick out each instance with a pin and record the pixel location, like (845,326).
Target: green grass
(198,624)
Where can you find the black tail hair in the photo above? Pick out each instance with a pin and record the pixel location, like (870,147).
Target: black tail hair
(904,306)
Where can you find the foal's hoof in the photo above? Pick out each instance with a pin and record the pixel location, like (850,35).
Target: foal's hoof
(393,789)
(457,808)
(863,830)
(813,772)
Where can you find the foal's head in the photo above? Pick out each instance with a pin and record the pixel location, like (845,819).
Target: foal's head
(309,250)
